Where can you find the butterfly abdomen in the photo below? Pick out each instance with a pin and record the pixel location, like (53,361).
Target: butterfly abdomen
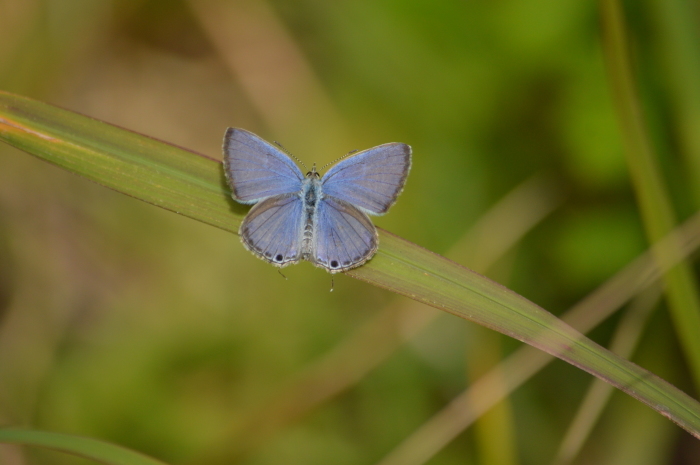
(310,193)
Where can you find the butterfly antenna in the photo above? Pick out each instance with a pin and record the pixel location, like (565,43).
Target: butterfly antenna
(280,272)
(291,155)
(338,159)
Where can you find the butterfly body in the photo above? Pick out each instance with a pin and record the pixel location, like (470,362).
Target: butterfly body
(319,219)
(310,193)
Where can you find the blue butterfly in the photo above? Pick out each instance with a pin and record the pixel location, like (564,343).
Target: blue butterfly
(319,219)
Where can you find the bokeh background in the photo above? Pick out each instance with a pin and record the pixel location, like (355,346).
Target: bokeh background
(131,324)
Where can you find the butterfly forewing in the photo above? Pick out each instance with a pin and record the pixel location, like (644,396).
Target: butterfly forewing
(272,230)
(257,169)
(345,236)
(372,179)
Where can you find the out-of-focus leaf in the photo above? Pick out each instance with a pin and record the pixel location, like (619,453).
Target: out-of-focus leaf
(84,447)
(652,195)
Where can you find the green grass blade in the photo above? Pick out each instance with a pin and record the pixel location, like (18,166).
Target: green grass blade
(136,165)
(676,25)
(652,197)
(624,342)
(99,451)
(522,364)
(192,185)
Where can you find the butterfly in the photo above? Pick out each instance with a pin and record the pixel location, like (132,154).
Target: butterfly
(320,219)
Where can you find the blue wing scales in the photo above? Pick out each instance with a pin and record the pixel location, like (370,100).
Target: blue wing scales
(372,179)
(345,236)
(256,169)
(272,230)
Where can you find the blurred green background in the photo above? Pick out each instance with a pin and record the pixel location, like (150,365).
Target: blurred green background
(131,324)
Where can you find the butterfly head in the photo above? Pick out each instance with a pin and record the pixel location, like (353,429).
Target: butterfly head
(313,173)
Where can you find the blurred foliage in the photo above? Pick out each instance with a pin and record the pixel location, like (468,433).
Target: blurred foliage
(123,322)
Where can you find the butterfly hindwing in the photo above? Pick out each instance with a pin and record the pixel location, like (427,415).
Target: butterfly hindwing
(372,179)
(257,169)
(345,236)
(272,230)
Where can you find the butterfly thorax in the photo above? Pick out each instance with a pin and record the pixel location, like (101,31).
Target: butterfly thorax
(310,195)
